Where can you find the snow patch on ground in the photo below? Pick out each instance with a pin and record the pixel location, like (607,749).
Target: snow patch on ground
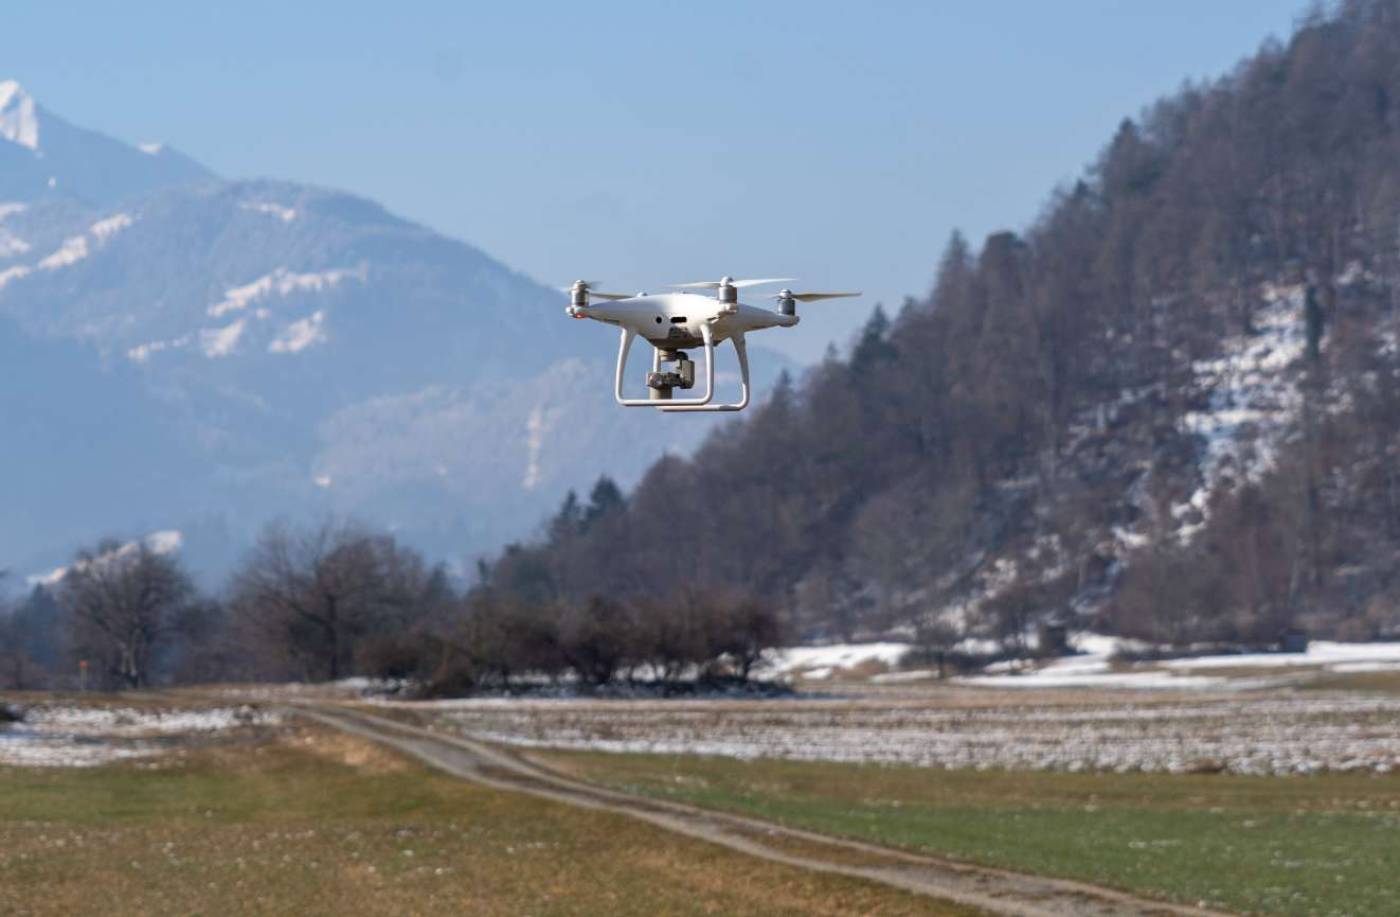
(281,282)
(19,116)
(820,662)
(537,427)
(12,273)
(1093,676)
(1320,653)
(103,230)
(1247,734)
(285,214)
(142,352)
(73,250)
(300,334)
(1253,396)
(72,736)
(221,342)
(1095,667)
(11,244)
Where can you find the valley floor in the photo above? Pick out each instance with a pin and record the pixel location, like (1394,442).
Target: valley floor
(1280,801)
(305,820)
(1283,801)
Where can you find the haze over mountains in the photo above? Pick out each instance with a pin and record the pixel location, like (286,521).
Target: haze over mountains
(182,352)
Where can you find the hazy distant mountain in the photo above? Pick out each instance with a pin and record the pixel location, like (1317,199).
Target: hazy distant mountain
(44,157)
(183,352)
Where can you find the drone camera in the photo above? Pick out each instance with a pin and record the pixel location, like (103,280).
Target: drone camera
(683,376)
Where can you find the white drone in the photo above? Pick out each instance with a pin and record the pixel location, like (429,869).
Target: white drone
(672,322)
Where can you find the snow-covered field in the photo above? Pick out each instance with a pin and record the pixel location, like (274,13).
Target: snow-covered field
(819,662)
(1241,733)
(1225,712)
(73,736)
(1095,668)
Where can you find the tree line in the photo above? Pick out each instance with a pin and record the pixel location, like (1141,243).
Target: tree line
(339,600)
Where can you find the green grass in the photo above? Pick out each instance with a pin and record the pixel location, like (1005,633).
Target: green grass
(1294,845)
(310,822)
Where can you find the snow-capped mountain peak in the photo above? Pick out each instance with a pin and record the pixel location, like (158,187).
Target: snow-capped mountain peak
(43,157)
(19,117)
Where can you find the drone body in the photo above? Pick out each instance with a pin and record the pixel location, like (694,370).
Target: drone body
(675,322)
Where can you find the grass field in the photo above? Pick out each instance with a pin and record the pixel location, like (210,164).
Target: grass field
(309,822)
(1326,844)
(1370,682)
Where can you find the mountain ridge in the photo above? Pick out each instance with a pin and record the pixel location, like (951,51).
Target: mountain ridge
(303,351)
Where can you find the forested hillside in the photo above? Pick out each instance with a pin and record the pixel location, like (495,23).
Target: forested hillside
(1171,406)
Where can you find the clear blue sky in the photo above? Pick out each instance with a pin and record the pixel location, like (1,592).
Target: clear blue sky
(644,143)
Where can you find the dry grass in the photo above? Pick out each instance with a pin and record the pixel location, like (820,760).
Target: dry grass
(1370,682)
(307,822)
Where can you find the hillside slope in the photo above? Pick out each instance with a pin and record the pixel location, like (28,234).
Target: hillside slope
(1171,406)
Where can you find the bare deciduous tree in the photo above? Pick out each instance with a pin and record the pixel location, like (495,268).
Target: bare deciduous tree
(123,601)
(307,599)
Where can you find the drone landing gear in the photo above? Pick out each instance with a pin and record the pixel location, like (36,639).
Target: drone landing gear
(661,383)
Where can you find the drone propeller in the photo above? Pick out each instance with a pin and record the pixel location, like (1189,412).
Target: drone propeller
(730,281)
(788,300)
(587,286)
(810,297)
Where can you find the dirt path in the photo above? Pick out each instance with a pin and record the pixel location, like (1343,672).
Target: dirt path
(993,890)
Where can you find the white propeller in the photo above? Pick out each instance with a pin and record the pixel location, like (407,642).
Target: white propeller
(589,285)
(736,284)
(810,297)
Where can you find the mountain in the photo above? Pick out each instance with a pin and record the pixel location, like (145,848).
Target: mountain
(43,157)
(1170,407)
(196,354)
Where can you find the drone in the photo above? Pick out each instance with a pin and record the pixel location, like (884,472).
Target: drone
(676,322)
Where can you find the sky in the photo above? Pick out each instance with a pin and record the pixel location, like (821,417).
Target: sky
(649,143)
